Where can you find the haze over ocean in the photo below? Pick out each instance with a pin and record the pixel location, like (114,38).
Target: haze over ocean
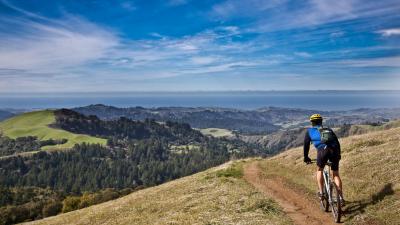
(322,100)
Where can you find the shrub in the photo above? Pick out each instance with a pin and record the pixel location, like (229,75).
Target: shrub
(234,171)
(52,208)
(71,203)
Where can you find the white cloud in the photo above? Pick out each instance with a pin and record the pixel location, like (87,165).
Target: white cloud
(202,60)
(375,62)
(239,8)
(282,14)
(45,47)
(389,32)
(303,54)
(337,34)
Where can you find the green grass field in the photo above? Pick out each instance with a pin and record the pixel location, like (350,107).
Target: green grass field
(216,132)
(37,124)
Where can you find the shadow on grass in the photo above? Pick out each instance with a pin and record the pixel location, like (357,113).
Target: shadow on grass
(358,207)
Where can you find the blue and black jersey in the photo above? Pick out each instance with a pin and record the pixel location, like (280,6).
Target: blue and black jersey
(313,135)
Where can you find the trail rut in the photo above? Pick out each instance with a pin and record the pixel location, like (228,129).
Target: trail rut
(295,205)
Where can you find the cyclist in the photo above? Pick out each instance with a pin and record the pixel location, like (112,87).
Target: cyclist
(326,150)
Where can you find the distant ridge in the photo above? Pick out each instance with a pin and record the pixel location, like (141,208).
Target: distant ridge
(5,115)
(259,121)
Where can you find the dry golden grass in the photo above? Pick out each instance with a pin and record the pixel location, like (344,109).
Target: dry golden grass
(216,196)
(369,169)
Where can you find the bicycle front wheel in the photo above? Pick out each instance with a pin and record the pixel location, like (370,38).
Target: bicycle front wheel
(335,203)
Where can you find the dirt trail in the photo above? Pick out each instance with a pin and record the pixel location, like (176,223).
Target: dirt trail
(298,208)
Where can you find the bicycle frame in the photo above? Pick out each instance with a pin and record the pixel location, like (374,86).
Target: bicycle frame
(327,183)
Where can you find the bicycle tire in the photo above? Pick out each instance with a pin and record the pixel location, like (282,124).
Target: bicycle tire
(324,202)
(335,203)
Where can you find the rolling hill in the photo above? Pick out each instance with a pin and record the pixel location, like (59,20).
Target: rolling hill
(257,121)
(37,124)
(216,196)
(369,168)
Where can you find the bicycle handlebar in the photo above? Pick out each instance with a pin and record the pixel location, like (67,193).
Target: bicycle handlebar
(329,163)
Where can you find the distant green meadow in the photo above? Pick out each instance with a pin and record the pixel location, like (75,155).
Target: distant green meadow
(37,124)
(216,132)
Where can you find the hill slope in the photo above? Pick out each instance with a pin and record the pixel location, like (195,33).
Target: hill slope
(216,196)
(37,124)
(369,171)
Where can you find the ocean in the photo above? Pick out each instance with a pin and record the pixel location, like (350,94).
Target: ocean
(323,100)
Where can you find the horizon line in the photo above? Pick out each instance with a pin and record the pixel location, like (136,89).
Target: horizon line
(200,91)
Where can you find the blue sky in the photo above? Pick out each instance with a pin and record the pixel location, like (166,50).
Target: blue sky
(188,45)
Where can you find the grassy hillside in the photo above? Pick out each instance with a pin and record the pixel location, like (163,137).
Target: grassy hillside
(369,168)
(370,173)
(362,129)
(216,132)
(216,196)
(37,124)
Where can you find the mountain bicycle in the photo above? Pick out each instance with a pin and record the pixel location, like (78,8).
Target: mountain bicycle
(330,195)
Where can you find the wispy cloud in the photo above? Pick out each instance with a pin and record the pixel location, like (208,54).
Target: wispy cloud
(285,14)
(128,5)
(393,62)
(47,45)
(303,54)
(261,38)
(389,32)
(237,8)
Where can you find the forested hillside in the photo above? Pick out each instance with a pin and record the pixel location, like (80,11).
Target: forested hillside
(138,154)
(124,128)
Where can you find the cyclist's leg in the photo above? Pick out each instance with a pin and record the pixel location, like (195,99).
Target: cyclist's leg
(320,180)
(337,180)
(335,158)
(321,162)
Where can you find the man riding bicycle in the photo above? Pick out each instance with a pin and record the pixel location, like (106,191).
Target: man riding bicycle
(328,148)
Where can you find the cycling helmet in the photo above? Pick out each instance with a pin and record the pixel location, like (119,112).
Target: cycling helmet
(316,117)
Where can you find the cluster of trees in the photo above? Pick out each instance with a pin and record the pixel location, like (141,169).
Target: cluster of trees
(124,128)
(92,167)
(26,204)
(9,146)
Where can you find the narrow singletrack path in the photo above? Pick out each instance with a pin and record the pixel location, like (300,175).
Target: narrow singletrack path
(295,205)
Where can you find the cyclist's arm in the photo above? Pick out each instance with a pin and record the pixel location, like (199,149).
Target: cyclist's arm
(337,142)
(306,147)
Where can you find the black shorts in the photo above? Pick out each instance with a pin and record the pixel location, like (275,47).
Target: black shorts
(328,153)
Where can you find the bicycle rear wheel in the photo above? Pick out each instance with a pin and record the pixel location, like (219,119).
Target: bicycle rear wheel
(336,204)
(324,202)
